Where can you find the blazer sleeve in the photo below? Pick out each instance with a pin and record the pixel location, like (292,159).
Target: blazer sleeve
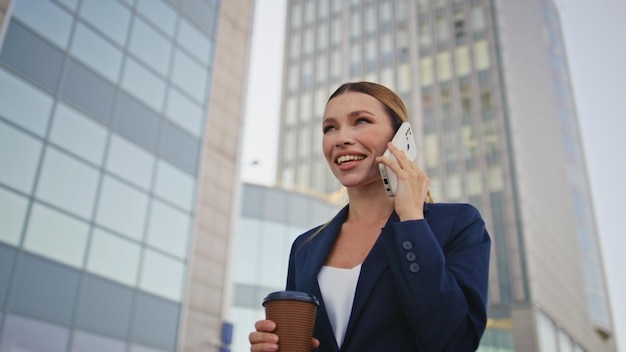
(441,268)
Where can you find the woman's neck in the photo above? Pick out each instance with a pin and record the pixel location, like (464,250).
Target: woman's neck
(369,205)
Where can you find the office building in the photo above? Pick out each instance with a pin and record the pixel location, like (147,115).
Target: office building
(114,224)
(488,89)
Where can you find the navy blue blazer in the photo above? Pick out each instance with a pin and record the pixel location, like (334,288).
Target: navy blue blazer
(422,287)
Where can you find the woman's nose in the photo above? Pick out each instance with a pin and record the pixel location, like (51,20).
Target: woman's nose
(344,138)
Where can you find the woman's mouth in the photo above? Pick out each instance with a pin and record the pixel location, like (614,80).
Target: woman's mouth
(347,158)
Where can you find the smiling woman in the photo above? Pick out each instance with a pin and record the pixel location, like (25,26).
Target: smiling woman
(411,258)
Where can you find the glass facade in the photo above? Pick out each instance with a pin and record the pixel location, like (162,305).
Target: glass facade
(102,114)
(446,59)
(271,218)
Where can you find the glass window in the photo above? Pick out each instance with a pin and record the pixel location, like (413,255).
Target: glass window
(130,162)
(110,17)
(68,183)
(168,229)
(162,275)
(150,46)
(427,75)
(174,185)
(83,341)
(203,13)
(160,14)
(78,134)
(122,208)
(113,257)
(97,53)
(247,251)
(178,147)
(155,322)
(104,307)
(481,55)
(144,85)
(7,258)
(46,18)
(137,122)
(12,213)
(56,236)
(32,56)
(463,65)
(88,91)
(44,289)
(18,333)
(23,104)
(71,4)
(184,112)
(189,76)
(194,41)
(19,157)
(444,66)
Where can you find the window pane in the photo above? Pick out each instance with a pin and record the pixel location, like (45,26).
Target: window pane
(101,13)
(150,46)
(78,134)
(46,18)
(7,258)
(193,40)
(56,236)
(160,14)
(184,112)
(32,56)
(122,208)
(189,76)
(97,53)
(137,122)
(155,321)
(162,275)
(144,85)
(19,157)
(88,91)
(19,332)
(68,183)
(130,162)
(83,341)
(113,257)
(174,185)
(178,147)
(168,229)
(23,104)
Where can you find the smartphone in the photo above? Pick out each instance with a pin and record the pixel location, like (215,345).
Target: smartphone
(405,141)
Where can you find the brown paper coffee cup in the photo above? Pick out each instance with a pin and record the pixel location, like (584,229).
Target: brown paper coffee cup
(294,314)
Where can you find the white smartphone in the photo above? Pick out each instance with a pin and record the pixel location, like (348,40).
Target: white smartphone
(405,141)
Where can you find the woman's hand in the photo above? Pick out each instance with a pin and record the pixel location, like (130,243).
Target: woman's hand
(263,339)
(412,185)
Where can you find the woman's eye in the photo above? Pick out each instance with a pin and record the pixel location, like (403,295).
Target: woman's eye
(362,120)
(327,129)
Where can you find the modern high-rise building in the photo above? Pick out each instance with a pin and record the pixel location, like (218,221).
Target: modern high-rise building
(487,85)
(120,133)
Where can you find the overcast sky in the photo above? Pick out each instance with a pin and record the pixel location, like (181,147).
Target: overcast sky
(594,32)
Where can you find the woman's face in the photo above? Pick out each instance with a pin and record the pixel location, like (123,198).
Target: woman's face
(356,130)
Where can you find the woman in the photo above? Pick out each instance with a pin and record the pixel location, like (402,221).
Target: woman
(391,273)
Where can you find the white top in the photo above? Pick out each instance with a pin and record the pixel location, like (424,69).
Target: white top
(338,286)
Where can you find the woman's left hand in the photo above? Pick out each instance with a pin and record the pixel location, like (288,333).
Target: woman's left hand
(412,185)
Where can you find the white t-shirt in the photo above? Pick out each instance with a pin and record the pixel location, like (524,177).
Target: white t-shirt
(338,286)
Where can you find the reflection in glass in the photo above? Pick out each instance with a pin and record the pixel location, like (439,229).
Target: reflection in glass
(150,46)
(189,76)
(23,104)
(168,229)
(68,183)
(122,208)
(12,212)
(159,14)
(18,335)
(96,52)
(184,112)
(57,236)
(174,185)
(130,162)
(46,18)
(194,41)
(113,257)
(143,84)
(78,134)
(162,275)
(110,17)
(83,341)
(19,157)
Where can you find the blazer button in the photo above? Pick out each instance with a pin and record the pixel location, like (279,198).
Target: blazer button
(414,267)
(407,245)
(410,256)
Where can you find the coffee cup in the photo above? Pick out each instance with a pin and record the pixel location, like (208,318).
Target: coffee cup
(294,314)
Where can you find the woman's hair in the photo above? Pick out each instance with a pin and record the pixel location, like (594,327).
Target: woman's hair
(392,103)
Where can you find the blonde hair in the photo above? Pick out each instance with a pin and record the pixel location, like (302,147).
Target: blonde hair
(393,104)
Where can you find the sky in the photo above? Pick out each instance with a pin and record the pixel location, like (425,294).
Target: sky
(594,34)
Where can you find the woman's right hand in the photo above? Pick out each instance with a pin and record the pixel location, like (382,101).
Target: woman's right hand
(263,339)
